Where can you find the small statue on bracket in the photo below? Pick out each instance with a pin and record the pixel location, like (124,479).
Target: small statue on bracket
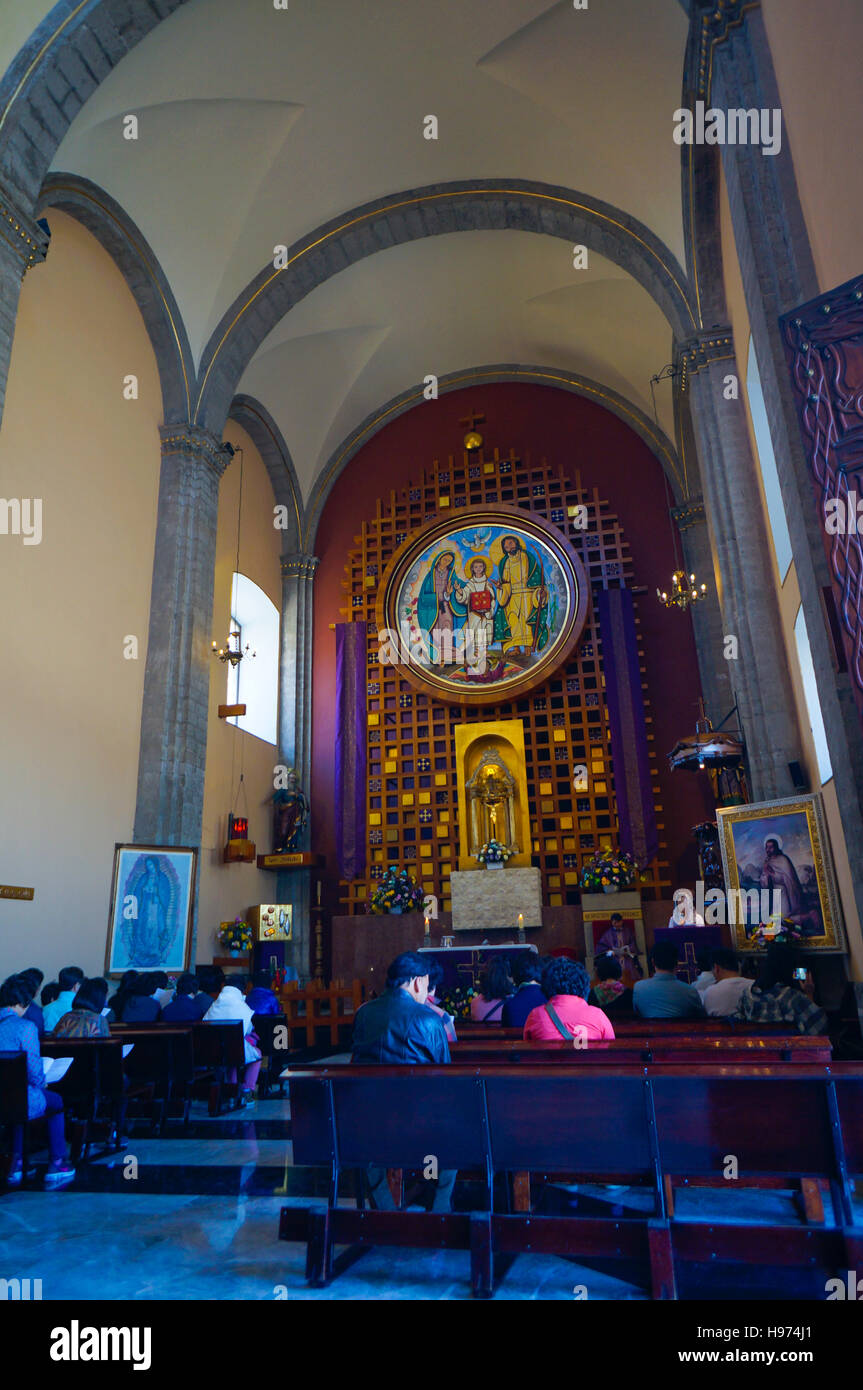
(290,813)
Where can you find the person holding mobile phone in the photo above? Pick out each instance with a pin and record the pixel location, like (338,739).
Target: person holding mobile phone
(780,996)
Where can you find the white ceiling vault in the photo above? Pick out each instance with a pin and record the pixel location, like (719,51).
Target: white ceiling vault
(256,126)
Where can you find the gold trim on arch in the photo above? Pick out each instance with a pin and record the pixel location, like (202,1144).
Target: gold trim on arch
(39,56)
(82,193)
(478,376)
(431,198)
(252,411)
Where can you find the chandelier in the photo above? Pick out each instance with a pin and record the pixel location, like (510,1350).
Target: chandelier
(233,654)
(683,591)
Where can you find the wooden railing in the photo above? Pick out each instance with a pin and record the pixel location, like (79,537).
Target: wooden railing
(316,1006)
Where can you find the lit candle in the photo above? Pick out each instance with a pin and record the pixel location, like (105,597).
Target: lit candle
(426,921)
(319,892)
(520,921)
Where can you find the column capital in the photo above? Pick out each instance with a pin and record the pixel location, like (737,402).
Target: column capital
(21,233)
(194,442)
(690,514)
(702,350)
(716,19)
(297,565)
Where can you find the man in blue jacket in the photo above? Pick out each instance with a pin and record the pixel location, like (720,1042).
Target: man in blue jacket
(396,1029)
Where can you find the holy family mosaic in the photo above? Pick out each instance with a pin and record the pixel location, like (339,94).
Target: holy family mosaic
(483,608)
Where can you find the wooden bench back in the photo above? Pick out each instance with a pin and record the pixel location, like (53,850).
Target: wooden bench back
(13,1088)
(544,1122)
(96,1073)
(679,1048)
(769,1125)
(219,1044)
(417,1114)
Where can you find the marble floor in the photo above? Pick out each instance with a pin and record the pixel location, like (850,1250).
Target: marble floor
(194,1215)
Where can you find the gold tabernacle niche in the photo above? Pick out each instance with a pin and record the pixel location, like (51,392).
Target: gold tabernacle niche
(492,790)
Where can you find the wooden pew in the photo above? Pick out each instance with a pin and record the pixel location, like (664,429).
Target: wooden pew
(218,1050)
(93,1088)
(635,1027)
(633,1123)
(162,1061)
(267,1030)
(13,1097)
(685,1049)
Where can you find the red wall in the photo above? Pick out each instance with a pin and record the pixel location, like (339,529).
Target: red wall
(537,421)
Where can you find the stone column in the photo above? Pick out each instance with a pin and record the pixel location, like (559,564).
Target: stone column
(23,243)
(295,729)
(760,676)
(778,275)
(179,653)
(707,622)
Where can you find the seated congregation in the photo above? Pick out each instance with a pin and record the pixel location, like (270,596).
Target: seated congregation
(549,1053)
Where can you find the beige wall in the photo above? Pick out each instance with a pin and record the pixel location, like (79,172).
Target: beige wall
(789,602)
(816,54)
(70,704)
(228,889)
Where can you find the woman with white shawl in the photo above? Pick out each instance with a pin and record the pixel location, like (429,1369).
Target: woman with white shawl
(231,1007)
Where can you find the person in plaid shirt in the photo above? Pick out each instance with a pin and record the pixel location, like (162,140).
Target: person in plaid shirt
(778,998)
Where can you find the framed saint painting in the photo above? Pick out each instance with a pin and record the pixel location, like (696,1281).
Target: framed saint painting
(482,605)
(777,863)
(150,922)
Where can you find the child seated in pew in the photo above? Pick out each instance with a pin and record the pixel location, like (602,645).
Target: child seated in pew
(527,977)
(567,1014)
(609,992)
(142,1006)
(259,995)
(84,1019)
(18,1034)
(189,1003)
(495,986)
(228,1006)
(34,977)
(435,981)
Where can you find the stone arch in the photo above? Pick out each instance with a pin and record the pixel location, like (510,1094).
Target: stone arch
(140,268)
(477,205)
(62,63)
(654,437)
(259,424)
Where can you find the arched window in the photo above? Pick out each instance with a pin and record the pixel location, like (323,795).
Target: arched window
(255,681)
(767,462)
(813,703)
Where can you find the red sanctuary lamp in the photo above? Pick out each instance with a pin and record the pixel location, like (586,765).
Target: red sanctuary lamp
(239,849)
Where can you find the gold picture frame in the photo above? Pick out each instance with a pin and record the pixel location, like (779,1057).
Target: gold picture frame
(798,866)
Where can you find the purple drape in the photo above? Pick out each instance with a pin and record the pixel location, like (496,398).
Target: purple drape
(635,808)
(351,748)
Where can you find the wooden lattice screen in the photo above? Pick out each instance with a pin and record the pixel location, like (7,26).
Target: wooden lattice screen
(411,798)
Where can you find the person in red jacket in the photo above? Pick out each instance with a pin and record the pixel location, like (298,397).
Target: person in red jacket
(567,1014)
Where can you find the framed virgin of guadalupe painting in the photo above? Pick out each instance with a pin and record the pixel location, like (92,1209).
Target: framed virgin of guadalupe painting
(482,605)
(152,893)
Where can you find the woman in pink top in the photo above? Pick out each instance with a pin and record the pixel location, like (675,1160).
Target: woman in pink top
(495,986)
(567,1014)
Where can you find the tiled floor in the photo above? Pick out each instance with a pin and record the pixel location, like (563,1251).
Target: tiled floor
(195,1216)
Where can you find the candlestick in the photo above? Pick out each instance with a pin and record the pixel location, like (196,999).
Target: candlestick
(521,926)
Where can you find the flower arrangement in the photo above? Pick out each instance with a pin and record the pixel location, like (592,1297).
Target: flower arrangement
(609,868)
(457,1001)
(236,936)
(493,852)
(785,931)
(398,891)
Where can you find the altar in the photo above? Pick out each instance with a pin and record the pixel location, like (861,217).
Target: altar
(463,965)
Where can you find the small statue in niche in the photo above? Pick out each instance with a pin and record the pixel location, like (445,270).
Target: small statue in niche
(290,813)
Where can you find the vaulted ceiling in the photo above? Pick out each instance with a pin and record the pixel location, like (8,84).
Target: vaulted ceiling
(258,125)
